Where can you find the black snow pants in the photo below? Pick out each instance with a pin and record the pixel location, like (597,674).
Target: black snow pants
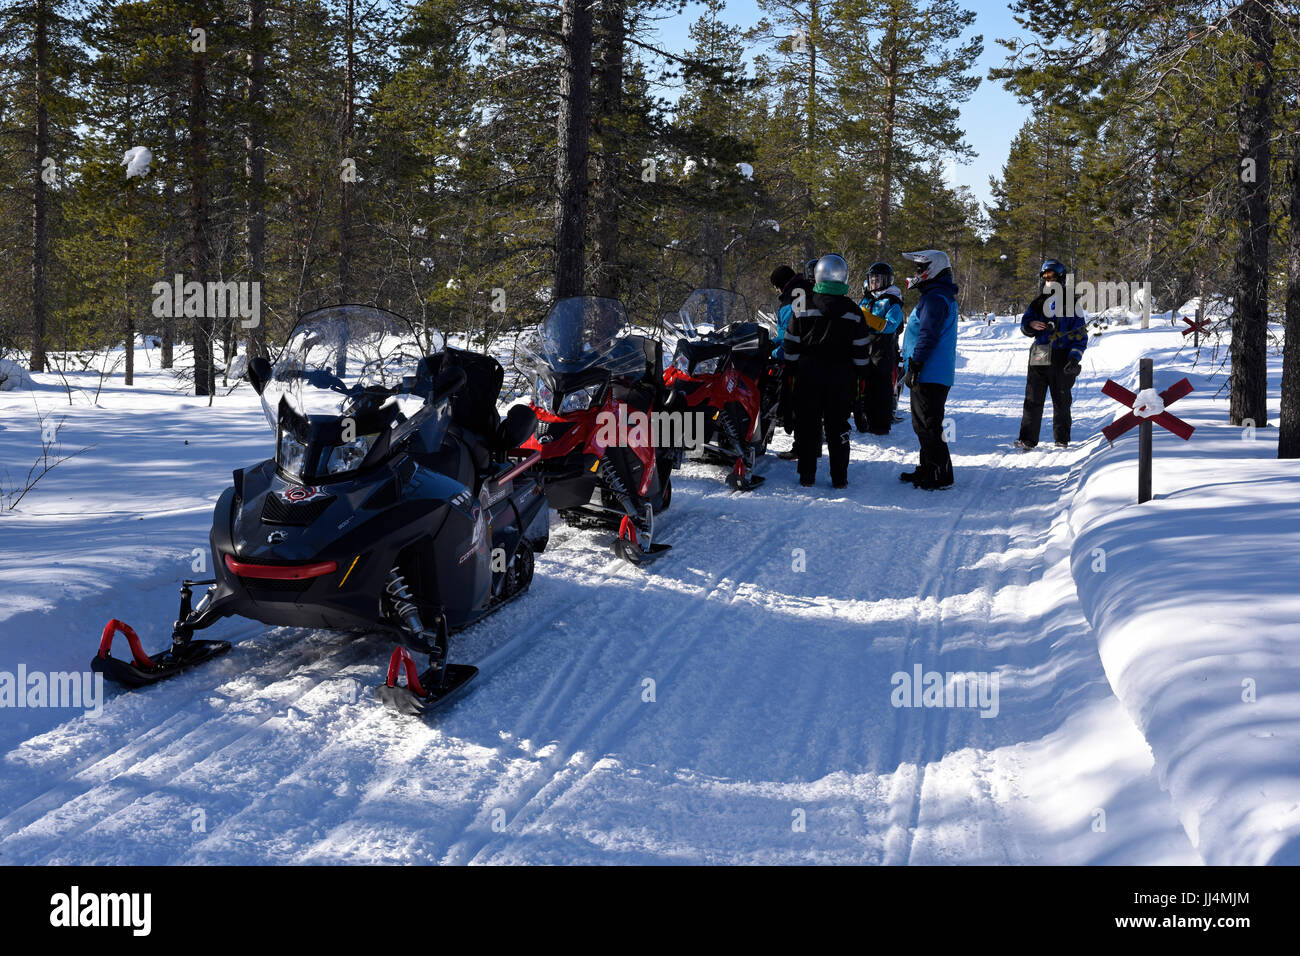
(878,396)
(824,392)
(1043,379)
(928,401)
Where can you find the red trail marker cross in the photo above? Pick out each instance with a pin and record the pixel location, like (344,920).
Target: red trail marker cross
(1142,414)
(1194,329)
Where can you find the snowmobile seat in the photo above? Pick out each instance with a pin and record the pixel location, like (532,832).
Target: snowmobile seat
(473,406)
(654,367)
(750,349)
(474,416)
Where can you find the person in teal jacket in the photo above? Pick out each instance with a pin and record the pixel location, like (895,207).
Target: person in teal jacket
(884,300)
(930,356)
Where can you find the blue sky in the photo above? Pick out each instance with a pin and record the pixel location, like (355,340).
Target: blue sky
(991,117)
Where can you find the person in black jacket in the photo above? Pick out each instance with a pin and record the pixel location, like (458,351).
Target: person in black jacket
(1060,334)
(827,344)
(883,300)
(793,289)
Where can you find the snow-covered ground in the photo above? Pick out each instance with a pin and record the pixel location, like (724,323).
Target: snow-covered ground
(1194,602)
(776,633)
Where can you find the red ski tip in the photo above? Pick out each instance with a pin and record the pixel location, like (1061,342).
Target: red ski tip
(402,659)
(627,530)
(132,639)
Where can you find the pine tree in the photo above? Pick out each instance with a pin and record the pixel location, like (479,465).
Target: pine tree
(41,51)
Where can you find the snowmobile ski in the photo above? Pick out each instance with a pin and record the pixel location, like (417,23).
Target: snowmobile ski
(742,477)
(426,692)
(628,545)
(144,669)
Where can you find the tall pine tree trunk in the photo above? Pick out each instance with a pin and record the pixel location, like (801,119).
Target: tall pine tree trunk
(609,158)
(1288,444)
(170,258)
(810,240)
(888,121)
(1249,382)
(345,193)
(128,204)
(204,377)
(129,323)
(255,167)
(571,165)
(39,214)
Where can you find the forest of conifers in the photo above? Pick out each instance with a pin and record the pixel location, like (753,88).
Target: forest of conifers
(465,162)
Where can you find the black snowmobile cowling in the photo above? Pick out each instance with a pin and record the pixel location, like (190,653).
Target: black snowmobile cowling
(409,520)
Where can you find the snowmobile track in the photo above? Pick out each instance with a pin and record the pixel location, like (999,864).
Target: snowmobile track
(532,799)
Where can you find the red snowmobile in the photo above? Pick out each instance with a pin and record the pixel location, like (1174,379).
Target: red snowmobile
(722,367)
(596,389)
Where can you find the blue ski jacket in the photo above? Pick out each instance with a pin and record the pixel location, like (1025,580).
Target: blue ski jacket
(1063,331)
(931,336)
(886,308)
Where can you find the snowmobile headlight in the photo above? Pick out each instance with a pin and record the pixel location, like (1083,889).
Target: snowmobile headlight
(349,455)
(292,454)
(681,362)
(577,401)
(708,366)
(543,397)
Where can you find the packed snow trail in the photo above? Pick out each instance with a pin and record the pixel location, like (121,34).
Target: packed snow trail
(768,733)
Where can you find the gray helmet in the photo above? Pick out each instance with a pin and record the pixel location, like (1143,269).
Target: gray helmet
(832,268)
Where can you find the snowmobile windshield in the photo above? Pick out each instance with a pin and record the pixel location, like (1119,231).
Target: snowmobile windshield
(346,358)
(707,311)
(582,333)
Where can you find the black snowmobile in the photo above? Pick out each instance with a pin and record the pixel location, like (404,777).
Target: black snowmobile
(398,501)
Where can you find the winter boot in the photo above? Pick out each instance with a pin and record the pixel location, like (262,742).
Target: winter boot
(936,478)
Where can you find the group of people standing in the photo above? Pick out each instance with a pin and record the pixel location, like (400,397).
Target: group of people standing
(844,357)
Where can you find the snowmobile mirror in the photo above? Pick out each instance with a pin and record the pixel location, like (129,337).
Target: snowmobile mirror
(517,427)
(259,373)
(448,383)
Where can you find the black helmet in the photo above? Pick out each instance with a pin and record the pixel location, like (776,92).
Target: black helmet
(879,278)
(809,268)
(1055,266)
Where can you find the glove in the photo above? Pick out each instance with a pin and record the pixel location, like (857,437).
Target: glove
(912,378)
(1073,368)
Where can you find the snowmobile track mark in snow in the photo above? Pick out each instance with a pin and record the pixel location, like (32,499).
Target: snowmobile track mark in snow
(216,740)
(604,717)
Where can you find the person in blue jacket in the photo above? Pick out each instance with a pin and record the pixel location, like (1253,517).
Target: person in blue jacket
(1060,334)
(883,299)
(930,356)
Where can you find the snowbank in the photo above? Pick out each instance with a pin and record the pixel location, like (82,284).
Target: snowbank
(13,376)
(1193,599)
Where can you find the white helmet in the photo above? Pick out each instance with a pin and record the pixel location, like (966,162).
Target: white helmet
(929,264)
(832,268)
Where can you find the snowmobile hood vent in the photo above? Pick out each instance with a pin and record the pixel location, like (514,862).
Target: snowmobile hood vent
(278,511)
